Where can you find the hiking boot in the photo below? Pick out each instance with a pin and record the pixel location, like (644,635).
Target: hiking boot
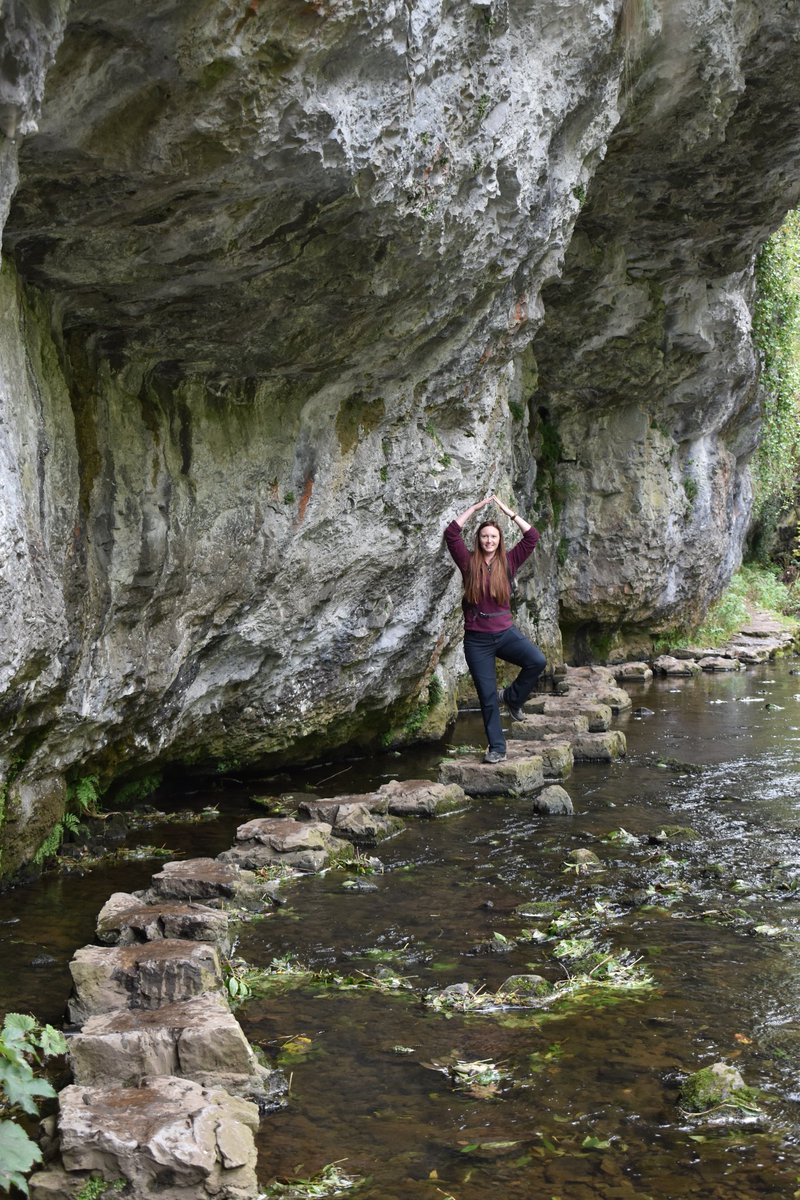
(514,709)
(494,756)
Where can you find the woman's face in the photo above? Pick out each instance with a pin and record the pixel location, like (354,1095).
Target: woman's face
(489,539)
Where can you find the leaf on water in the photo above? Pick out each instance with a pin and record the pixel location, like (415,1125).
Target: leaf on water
(483,1147)
(595,1143)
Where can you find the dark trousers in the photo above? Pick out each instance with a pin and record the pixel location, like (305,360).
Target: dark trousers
(481,650)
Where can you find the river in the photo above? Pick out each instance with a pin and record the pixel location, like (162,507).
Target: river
(581,1101)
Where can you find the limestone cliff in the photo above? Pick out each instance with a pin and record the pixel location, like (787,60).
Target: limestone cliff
(287,285)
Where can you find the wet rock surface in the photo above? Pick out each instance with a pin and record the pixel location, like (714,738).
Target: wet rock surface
(240,329)
(106,978)
(198,1039)
(170,1137)
(124,919)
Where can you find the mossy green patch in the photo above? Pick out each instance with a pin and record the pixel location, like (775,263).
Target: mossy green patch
(358,416)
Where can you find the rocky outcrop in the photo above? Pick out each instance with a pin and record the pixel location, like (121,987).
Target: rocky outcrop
(287,286)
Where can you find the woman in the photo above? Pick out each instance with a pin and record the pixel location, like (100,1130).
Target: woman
(489,632)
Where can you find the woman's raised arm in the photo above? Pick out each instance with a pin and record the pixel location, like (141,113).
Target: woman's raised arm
(473,508)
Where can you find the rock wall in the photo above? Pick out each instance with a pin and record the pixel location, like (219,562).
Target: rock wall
(287,286)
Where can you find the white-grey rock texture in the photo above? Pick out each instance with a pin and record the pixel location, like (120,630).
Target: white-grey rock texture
(286,286)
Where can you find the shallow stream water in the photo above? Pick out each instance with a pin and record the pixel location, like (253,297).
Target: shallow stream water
(588,1103)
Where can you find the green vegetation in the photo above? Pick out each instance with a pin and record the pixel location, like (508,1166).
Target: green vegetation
(330,1181)
(753,586)
(96,1188)
(24,1044)
(776,331)
(137,790)
(83,796)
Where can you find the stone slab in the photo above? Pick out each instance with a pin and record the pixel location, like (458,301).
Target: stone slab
(284,835)
(597,715)
(306,846)
(520,774)
(599,747)
(422,797)
(633,672)
(668,664)
(537,726)
(170,1138)
(557,758)
(717,662)
(125,920)
(146,976)
(197,1039)
(196,879)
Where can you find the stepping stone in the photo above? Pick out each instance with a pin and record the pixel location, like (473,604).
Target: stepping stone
(313,809)
(521,774)
(125,920)
(304,845)
(422,797)
(106,978)
(717,663)
(197,1039)
(633,672)
(536,727)
(196,879)
(598,715)
(553,801)
(170,1138)
(667,664)
(615,697)
(557,758)
(750,655)
(358,823)
(599,747)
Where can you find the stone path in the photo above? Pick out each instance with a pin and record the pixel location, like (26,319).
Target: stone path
(571,725)
(762,638)
(167,1091)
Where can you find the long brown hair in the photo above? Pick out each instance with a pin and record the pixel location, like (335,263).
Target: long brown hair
(475,576)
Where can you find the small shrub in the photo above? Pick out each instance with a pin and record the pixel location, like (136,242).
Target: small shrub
(24,1044)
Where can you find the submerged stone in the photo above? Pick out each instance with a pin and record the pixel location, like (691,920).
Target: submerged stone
(525,986)
(711,1087)
(585,860)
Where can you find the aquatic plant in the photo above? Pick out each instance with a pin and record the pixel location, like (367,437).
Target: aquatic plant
(24,1044)
(480,1078)
(330,1181)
